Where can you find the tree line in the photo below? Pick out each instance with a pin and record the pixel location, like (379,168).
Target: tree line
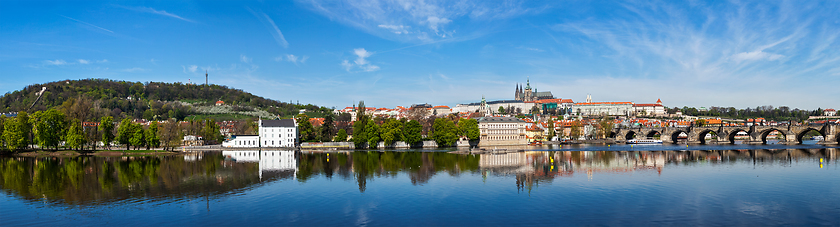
(53,130)
(147,100)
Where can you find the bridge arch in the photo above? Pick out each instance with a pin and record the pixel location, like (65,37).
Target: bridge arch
(652,133)
(767,132)
(802,133)
(735,132)
(675,135)
(630,135)
(702,135)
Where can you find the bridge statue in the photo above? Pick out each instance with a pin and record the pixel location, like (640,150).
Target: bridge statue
(793,134)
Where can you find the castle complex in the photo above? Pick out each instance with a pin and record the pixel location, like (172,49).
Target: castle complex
(526,95)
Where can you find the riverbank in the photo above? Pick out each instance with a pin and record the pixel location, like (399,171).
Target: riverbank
(72,153)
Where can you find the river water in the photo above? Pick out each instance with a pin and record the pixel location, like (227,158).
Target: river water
(717,185)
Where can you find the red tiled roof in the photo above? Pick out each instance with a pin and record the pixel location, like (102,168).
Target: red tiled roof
(643,105)
(438,107)
(604,103)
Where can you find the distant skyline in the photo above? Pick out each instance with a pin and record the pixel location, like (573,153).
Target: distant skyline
(400,52)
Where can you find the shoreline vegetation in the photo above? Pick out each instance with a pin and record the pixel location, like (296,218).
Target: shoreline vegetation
(74,153)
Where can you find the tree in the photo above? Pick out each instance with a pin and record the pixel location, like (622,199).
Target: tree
(535,110)
(49,127)
(341,137)
(152,137)
(605,127)
(372,134)
(75,136)
(124,133)
(700,122)
(501,110)
(359,133)
(106,127)
(211,132)
(413,132)
(137,136)
(327,129)
(575,130)
(307,132)
(16,132)
(170,136)
(444,132)
(392,131)
(2,126)
(469,128)
(551,132)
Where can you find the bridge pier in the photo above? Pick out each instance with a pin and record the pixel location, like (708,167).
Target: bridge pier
(724,134)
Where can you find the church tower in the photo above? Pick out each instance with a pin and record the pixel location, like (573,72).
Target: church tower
(528,95)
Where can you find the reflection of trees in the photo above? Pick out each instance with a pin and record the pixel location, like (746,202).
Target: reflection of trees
(364,166)
(85,180)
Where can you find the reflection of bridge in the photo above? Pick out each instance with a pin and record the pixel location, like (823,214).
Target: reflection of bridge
(793,134)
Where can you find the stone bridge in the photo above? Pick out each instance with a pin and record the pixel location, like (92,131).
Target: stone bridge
(793,134)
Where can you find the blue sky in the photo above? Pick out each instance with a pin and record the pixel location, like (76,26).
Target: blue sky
(400,52)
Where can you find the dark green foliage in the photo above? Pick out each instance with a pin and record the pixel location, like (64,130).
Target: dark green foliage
(124,132)
(372,130)
(341,136)
(49,127)
(782,113)
(469,128)
(391,131)
(106,127)
(445,133)
(413,132)
(307,132)
(211,132)
(75,138)
(113,96)
(152,137)
(16,131)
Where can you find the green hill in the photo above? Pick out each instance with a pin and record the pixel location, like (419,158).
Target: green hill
(150,100)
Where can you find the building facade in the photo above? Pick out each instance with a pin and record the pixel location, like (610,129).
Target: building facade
(603,109)
(655,109)
(272,133)
(498,131)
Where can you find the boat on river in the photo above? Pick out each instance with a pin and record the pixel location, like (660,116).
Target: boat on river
(644,141)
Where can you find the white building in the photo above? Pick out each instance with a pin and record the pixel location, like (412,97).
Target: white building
(272,133)
(278,133)
(502,131)
(603,108)
(656,109)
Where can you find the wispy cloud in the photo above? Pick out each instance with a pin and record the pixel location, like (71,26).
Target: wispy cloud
(245,59)
(189,68)
(292,58)
(84,62)
(418,20)
(88,24)
(159,12)
(360,63)
(718,47)
(56,62)
(269,23)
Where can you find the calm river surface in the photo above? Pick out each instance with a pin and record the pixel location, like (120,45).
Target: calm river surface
(732,185)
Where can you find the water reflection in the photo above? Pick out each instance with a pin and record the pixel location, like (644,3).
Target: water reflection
(95,180)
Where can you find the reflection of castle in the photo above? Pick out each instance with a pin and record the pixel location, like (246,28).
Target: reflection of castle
(269,161)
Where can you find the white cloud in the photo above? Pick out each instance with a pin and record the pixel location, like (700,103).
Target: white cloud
(84,62)
(102,61)
(292,58)
(430,20)
(755,55)
(88,24)
(244,59)
(192,68)
(275,31)
(396,29)
(56,62)
(361,61)
(159,12)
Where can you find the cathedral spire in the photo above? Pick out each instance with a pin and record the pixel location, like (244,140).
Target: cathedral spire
(528,87)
